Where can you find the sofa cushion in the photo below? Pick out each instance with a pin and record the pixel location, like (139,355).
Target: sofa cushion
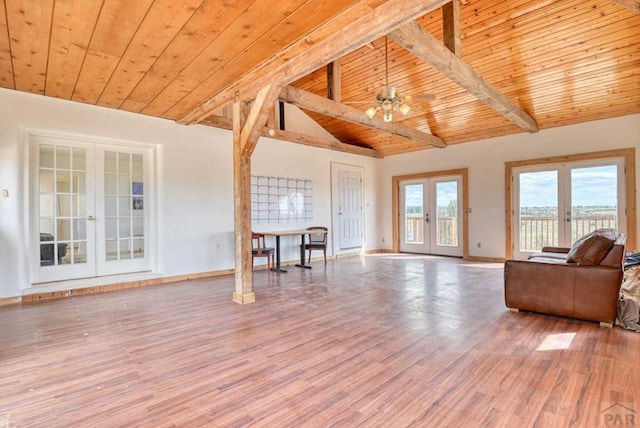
(591,248)
(558,256)
(550,260)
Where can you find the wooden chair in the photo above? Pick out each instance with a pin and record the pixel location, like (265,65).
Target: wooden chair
(317,241)
(261,250)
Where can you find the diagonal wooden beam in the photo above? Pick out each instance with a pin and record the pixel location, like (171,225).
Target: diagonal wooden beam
(634,5)
(294,137)
(353,28)
(308,140)
(416,40)
(322,105)
(260,111)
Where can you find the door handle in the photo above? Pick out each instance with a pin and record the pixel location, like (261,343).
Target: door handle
(90,218)
(426,217)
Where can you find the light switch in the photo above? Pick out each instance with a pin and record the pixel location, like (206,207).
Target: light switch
(5,193)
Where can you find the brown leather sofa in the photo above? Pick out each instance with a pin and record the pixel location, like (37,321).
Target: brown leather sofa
(578,282)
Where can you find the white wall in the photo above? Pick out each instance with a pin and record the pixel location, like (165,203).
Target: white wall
(194,182)
(485,160)
(282,159)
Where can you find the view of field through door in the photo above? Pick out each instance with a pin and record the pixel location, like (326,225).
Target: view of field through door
(431,216)
(557,204)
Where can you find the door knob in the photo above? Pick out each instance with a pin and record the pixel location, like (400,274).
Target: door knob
(90,218)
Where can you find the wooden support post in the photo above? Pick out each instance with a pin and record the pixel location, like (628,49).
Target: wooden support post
(246,132)
(242,211)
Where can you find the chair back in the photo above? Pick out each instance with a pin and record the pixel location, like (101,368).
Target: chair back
(258,242)
(320,237)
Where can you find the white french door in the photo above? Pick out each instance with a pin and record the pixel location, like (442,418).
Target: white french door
(557,204)
(87,209)
(431,216)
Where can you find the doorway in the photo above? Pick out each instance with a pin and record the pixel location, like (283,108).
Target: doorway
(89,209)
(347,207)
(430,220)
(557,204)
(431,213)
(581,192)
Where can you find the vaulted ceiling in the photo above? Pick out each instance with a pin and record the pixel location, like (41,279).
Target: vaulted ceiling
(519,65)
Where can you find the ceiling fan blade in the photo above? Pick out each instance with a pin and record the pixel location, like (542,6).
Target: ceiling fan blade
(419,97)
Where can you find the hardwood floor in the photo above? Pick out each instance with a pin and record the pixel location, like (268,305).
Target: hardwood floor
(379,341)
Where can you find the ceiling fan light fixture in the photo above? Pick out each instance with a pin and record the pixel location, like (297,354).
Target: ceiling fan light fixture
(388,99)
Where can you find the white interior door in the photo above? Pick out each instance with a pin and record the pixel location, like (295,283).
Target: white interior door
(431,216)
(87,209)
(557,204)
(350,224)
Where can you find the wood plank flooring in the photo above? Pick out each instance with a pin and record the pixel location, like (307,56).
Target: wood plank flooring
(377,341)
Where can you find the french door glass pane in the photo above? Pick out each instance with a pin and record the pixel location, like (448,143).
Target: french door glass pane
(62,184)
(124,206)
(447,213)
(538,210)
(414,213)
(594,196)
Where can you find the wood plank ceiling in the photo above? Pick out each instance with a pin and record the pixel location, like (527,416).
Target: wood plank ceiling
(558,62)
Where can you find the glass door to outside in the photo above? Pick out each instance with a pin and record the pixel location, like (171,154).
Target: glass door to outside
(431,220)
(557,204)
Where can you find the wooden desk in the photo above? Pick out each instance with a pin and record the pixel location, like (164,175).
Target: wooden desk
(279,233)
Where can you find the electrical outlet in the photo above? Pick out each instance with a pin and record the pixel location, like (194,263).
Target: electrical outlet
(383,240)
(479,245)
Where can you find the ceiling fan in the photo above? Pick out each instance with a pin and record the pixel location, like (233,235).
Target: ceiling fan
(388,101)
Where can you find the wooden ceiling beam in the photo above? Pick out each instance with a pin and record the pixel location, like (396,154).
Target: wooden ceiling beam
(334,81)
(451,27)
(634,5)
(416,40)
(294,137)
(334,39)
(321,143)
(313,102)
